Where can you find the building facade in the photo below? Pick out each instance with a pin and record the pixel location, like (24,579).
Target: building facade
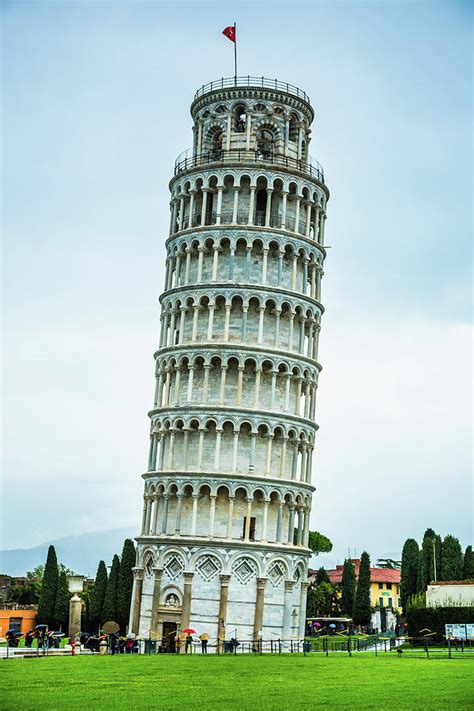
(384,593)
(227,496)
(450,593)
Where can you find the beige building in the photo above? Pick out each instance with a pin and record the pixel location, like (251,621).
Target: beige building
(450,593)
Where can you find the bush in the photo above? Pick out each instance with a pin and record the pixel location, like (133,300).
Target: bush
(435,618)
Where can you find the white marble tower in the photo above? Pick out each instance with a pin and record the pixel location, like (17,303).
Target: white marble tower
(227,495)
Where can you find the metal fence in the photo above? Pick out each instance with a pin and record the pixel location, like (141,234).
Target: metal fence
(187,160)
(377,645)
(247,81)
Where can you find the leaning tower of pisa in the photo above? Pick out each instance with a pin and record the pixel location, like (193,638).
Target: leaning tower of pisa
(223,547)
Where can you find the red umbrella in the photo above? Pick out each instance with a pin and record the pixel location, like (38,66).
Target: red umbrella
(188,631)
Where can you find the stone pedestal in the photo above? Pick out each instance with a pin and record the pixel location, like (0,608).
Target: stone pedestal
(75,608)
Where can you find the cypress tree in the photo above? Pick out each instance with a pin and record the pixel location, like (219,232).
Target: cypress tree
(109,610)
(348,586)
(47,599)
(61,606)
(322,576)
(97,597)
(409,571)
(452,559)
(124,597)
(362,607)
(421,573)
(428,560)
(468,565)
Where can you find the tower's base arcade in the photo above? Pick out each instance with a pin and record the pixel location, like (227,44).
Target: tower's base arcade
(221,592)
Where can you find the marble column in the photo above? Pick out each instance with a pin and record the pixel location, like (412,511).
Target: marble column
(258,619)
(136,599)
(288,608)
(251,204)
(224,596)
(186,610)
(157,572)
(236,205)
(302,615)
(194,514)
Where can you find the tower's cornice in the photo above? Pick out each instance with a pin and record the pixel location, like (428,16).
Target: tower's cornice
(222,542)
(249,165)
(240,231)
(242,287)
(247,87)
(217,347)
(221,477)
(244,412)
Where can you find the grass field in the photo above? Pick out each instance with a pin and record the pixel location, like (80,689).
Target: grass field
(236,682)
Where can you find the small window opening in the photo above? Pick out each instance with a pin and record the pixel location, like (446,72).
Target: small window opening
(252,528)
(265,143)
(240,119)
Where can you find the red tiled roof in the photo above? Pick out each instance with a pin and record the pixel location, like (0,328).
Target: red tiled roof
(377,575)
(452,582)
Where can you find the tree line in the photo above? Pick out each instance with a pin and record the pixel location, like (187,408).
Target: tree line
(435,559)
(108,598)
(354,599)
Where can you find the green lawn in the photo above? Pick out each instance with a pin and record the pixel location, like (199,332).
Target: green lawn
(236,682)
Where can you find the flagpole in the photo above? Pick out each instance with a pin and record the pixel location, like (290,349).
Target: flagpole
(235,53)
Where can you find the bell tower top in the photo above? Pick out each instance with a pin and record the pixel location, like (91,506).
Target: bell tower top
(267,116)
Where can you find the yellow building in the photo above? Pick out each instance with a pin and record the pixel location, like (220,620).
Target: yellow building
(385,585)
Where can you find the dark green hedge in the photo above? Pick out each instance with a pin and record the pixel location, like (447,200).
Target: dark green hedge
(435,618)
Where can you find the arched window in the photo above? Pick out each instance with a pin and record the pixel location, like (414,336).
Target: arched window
(240,118)
(261,207)
(293,135)
(217,144)
(265,143)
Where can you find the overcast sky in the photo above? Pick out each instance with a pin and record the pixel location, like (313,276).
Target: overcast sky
(96,107)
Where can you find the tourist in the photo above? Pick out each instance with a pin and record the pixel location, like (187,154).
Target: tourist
(12,638)
(29,637)
(204,637)
(189,642)
(113,644)
(129,645)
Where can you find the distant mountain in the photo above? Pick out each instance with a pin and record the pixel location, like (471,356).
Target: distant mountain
(80,553)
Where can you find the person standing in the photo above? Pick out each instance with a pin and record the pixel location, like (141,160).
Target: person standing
(204,637)
(113,644)
(189,642)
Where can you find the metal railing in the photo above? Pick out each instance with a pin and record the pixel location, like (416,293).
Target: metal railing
(257,82)
(187,160)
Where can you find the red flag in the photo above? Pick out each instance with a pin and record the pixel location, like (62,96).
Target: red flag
(230,33)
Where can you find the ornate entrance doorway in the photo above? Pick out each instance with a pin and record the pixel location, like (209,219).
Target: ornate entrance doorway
(168,640)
